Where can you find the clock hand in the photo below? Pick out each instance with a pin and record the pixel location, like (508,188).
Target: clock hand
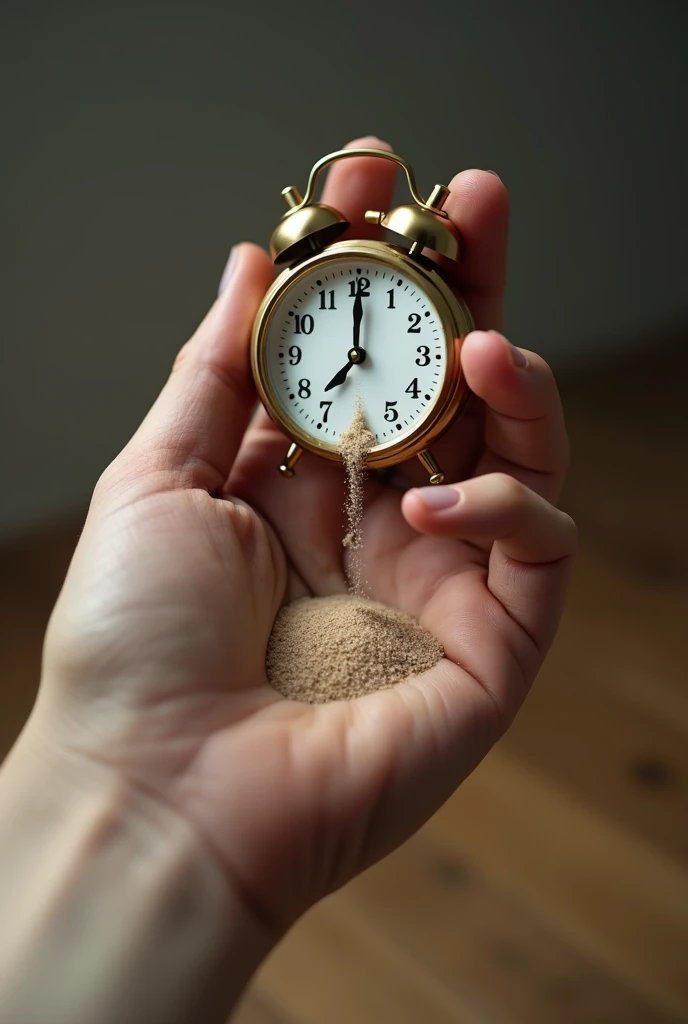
(358,316)
(356,356)
(356,353)
(339,377)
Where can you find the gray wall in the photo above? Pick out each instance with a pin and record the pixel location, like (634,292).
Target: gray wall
(139,141)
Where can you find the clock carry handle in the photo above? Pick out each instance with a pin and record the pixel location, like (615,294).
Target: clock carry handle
(308,227)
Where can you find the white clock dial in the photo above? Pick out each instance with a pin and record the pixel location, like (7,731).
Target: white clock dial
(349,310)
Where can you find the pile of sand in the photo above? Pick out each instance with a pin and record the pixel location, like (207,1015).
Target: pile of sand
(335,648)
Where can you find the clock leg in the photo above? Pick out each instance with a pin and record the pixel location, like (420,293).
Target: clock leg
(294,453)
(428,460)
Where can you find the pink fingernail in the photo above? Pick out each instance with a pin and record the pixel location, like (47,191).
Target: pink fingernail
(437,498)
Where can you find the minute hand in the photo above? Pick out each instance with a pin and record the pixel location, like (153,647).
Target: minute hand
(356,353)
(358,316)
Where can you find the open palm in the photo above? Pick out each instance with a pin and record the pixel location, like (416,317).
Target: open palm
(194,541)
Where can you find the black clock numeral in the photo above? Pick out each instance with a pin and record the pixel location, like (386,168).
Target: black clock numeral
(390,305)
(294,355)
(414,320)
(322,300)
(391,413)
(413,390)
(326,407)
(424,353)
(303,324)
(361,286)
(304,388)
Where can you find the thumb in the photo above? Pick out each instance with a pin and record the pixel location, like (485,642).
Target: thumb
(192,433)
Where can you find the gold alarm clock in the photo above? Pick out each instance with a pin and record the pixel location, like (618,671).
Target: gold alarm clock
(362,319)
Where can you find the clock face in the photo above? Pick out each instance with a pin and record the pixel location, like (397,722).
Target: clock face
(355,327)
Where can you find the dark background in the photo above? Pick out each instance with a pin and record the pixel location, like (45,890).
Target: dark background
(139,141)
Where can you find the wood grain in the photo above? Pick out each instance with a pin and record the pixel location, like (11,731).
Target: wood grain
(604,888)
(486,943)
(256,1010)
(337,968)
(606,752)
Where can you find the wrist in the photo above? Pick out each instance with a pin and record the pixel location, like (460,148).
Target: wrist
(113,907)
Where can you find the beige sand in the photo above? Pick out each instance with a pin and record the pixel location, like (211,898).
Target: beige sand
(335,648)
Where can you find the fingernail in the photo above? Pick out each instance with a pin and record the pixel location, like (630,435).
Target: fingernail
(228,271)
(493,172)
(518,357)
(436,498)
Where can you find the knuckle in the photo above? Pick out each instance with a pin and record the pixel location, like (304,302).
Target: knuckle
(510,491)
(254,536)
(245,523)
(107,481)
(122,478)
(182,358)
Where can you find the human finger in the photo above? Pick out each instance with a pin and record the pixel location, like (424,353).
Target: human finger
(531,543)
(524,432)
(193,430)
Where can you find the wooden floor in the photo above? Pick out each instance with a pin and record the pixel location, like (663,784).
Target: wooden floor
(553,888)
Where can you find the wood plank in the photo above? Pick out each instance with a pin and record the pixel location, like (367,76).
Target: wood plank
(455,921)
(601,887)
(334,968)
(627,489)
(254,1009)
(605,750)
(641,401)
(628,637)
(621,482)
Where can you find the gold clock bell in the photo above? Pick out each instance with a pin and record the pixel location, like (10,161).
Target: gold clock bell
(388,308)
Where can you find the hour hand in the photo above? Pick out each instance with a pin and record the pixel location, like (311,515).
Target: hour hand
(339,377)
(356,355)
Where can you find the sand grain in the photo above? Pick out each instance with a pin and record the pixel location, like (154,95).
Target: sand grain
(354,444)
(335,648)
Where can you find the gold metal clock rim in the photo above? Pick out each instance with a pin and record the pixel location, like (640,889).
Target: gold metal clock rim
(456,323)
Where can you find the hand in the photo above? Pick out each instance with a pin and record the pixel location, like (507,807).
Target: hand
(154,659)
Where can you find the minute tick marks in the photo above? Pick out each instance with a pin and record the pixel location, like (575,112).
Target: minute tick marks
(356,312)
